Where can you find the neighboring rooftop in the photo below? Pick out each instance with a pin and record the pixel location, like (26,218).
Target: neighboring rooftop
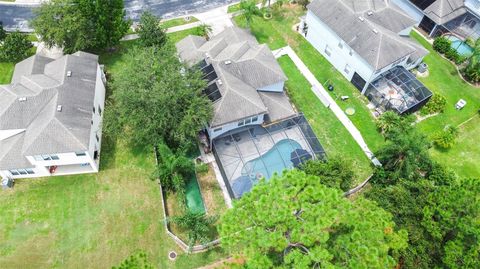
(47,108)
(370,27)
(442,11)
(237,68)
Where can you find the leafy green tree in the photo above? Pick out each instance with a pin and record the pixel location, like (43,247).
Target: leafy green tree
(303,3)
(3,33)
(441,219)
(472,71)
(293,221)
(445,138)
(405,155)
(249,9)
(436,104)
(150,32)
(173,169)
(15,47)
(197,225)
(204,30)
(442,44)
(136,261)
(158,100)
(334,173)
(390,122)
(81,24)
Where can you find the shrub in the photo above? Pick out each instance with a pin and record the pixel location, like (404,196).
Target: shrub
(201,168)
(442,44)
(445,139)
(454,56)
(436,104)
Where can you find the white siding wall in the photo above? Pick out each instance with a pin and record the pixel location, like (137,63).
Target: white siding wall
(320,35)
(278,87)
(231,126)
(410,9)
(99,101)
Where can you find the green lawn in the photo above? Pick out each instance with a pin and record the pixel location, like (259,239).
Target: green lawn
(177,22)
(333,136)
(443,79)
(6,72)
(94,220)
(234,8)
(278,32)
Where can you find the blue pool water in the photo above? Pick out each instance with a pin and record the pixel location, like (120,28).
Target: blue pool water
(461,47)
(273,161)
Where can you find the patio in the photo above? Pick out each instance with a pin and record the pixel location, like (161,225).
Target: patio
(397,90)
(254,152)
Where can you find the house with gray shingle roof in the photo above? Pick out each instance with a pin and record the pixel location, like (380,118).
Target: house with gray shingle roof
(363,40)
(245,82)
(438,17)
(50,117)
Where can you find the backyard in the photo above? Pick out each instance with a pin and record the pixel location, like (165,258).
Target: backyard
(443,79)
(93,220)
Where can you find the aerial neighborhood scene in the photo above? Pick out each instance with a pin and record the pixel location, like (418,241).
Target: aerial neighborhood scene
(240,134)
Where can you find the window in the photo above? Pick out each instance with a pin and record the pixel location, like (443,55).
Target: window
(328,51)
(80,154)
(54,157)
(347,69)
(249,120)
(96,137)
(14,172)
(340,44)
(22,171)
(241,123)
(93,110)
(30,171)
(254,119)
(99,111)
(46,157)
(38,158)
(217,129)
(351,53)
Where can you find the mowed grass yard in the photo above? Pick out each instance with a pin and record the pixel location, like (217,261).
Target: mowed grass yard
(92,220)
(464,157)
(279,32)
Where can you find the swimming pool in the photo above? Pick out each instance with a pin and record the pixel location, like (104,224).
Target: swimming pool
(275,160)
(193,196)
(461,47)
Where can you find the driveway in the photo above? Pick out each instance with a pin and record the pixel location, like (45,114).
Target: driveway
(17,16)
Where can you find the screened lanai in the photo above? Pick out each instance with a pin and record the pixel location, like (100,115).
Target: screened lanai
(249,154)
(398,90)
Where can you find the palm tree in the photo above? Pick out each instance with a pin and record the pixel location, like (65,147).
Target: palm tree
(173,168)
(197,225)
(205,30)
(472,71)
(250,9)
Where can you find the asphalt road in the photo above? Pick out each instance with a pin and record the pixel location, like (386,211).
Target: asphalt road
(17,17)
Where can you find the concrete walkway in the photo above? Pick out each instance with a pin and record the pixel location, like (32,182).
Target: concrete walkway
(217,18)
(326,99)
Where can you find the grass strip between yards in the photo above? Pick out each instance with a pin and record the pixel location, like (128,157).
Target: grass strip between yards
(177,22)
(333,136)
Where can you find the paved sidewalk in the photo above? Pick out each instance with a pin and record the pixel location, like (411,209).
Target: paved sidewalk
(323,95)
(217,18)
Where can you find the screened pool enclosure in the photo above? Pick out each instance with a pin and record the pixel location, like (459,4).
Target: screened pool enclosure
(398,90)
(250,154)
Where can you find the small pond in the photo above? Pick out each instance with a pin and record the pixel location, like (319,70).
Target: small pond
(194,196)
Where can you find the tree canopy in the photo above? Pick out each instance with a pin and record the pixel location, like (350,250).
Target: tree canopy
(3,33)
(15,47)
(81,24)
(157,99)
(334,172)
(150,31)
(294,221)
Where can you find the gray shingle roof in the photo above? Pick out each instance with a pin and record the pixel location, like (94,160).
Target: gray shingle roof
(443,11)
(374,37)
(244,67)
(45,85)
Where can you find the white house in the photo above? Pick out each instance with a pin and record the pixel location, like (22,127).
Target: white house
(50,117)
(364,40)
(245,82)
(437,17)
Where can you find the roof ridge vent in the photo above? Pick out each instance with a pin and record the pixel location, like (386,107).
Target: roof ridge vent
(370,13)
(361,18)
(69,73)
(22,99)
(227,62)
(59,108)
(375,31)
(220,82)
